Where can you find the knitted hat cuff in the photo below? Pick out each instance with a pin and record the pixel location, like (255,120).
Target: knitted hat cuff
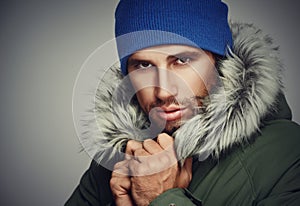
(146,23)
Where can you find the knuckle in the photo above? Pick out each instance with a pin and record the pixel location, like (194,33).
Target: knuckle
(121,168)
(161,136)
(118,165)
(147,142)
(130,144)
(113,181)
(165,139)
(137,170)
(152,164)
(140,152)
(168,160)
(165,159)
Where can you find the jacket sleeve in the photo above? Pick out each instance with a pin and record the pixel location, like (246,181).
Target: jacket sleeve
(176,197)
(287,190)
(88,193)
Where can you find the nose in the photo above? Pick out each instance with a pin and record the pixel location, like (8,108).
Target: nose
(165,85)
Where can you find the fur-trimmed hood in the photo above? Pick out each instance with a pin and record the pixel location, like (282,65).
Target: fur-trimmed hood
(251,81)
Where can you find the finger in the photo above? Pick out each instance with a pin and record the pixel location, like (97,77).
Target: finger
(151,146)
(131,147)
(187,166)
(120,187)
(140,153)
(121,168)
(165,140)
(119,184)
(142,156)
(185,175)
(137,168)
(121,164)
(167,143)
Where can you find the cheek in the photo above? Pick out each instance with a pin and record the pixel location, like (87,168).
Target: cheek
(196,87)
(145,98)
(211,78)
(206,77)
(193,83)
(143,85)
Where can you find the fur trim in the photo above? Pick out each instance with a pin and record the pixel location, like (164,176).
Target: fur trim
(251,80)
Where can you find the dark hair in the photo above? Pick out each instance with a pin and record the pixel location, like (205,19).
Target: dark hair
(218,62)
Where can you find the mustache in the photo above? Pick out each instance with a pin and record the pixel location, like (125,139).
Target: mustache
(197,103)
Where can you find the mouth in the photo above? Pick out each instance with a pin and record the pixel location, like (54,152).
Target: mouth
(171,113)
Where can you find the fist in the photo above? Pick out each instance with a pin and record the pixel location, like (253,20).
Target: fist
(154,168)
(120,184)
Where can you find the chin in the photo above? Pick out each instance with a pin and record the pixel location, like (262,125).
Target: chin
(168,127)
(172,126)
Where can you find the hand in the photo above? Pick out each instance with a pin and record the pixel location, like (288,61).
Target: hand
(155,169)
(120,184)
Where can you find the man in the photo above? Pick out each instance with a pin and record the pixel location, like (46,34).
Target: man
(198,117)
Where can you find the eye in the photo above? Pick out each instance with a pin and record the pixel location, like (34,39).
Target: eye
(183,60)
(144,65)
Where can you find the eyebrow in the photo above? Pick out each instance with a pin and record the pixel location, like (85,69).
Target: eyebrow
(185,54)
(135,61)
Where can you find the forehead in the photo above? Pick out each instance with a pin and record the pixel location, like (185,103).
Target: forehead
(171,50)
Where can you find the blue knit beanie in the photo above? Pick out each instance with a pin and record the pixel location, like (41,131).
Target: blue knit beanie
(144,23)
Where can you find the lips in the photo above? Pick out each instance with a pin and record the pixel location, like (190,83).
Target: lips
(171,113)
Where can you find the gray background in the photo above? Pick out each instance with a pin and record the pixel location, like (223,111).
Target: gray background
(43,45)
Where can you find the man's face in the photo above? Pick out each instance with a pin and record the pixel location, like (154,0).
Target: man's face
(171,82)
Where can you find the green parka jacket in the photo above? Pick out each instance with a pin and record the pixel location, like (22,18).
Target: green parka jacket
(245,152)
